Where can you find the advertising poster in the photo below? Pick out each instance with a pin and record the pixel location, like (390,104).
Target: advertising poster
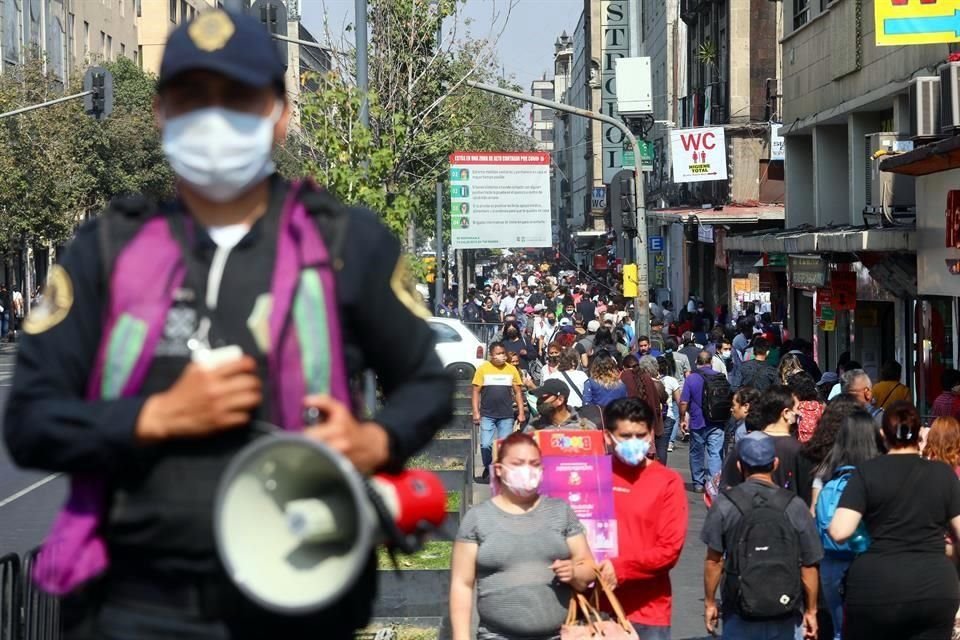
(500,200)
(578,470)
(698,155)
(586,484)
(899,22)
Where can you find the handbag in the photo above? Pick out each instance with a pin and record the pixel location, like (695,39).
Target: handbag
(593,624)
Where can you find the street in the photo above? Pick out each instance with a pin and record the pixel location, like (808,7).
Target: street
(28,499)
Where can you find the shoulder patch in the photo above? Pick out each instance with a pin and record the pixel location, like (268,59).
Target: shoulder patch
(404,288)
(54,306)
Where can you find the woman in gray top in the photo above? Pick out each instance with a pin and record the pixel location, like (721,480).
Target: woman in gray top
(523,553)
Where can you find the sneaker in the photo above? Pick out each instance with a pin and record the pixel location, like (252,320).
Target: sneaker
(698,488)
(670,448)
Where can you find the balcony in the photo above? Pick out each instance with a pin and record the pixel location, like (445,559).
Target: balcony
(693,107)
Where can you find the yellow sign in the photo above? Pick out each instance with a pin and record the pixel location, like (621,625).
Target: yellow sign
(211,31)
(900,22)
(630,281)
(829,325)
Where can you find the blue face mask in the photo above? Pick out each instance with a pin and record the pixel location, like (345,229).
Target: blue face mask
(632,451)
(219,152)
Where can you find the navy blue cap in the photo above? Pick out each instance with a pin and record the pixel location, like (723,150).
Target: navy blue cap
(235,45)
(756,449)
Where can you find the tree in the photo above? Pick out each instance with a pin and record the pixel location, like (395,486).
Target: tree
(420,112)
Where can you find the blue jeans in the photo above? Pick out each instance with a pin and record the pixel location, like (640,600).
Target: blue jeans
(671,426)
(706,447)
(832,572)
(492,429)
(650,632)
(736,628)
(4,323)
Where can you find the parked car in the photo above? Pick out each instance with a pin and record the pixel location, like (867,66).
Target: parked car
(460,351)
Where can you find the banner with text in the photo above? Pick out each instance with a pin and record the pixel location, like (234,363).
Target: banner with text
(899,22)
(699,154)
(500,200)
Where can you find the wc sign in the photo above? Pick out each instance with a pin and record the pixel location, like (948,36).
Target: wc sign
(698,154)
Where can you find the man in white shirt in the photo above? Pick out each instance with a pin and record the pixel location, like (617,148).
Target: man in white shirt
(508,303)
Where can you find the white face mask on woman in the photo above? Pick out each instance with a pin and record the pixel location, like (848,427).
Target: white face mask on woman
(523,481)
(220,152)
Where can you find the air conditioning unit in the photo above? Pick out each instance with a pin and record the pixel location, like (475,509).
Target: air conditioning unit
(950,97)
(886,191)
(925,108)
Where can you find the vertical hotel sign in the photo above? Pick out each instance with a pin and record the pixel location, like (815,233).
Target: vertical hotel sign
(615,25)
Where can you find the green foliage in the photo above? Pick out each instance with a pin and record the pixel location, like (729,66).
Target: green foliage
(58,164)
(420,112)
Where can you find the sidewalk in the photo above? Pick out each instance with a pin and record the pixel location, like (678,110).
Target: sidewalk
(687,576)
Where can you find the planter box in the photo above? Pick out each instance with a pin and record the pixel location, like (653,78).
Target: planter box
(455,480)
(422,593)
(447,448)
(442,625)
(448,531)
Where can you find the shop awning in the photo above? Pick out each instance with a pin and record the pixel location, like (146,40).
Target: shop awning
(825,240)
(930,158)
(727,214)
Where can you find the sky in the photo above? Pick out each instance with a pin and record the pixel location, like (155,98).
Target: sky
(525,48)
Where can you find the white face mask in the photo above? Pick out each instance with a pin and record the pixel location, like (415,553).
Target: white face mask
(523,481)
(219,152)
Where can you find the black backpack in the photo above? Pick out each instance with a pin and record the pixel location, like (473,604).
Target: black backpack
(762,567)
(717,398)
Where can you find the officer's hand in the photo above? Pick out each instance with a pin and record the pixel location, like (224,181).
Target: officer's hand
(202,401)
(366,444)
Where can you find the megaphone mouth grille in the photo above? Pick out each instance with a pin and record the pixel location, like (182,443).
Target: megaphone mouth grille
(291,524)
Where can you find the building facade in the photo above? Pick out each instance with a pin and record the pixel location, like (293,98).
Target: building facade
(541,118)
(846,104)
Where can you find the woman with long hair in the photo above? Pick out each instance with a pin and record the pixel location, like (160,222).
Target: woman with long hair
(903,587)
(519,555)
(789,366)
(671,413)
(856,442)
(570,375)
(943,442)
(815,450)
(604,385)
(804,389)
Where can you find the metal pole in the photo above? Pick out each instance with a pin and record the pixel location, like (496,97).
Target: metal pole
(438,295)
(461,281)
(363,80)
(642,301)
(49,103)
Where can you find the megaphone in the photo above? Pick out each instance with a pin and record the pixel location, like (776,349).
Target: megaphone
(295,522)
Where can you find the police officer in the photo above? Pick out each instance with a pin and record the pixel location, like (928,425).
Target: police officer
(160,451)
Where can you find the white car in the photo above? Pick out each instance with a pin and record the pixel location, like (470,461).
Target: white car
(459,350)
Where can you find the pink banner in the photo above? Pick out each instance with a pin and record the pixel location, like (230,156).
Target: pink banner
(586,484)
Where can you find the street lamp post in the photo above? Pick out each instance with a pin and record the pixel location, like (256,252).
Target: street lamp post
(642,300)
(363,68)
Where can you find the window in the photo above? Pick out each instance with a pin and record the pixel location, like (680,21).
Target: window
(123,49)
(173,11)
(72,33)
(56,49)
(138,56)
(443,333)
(11,31)
(86,39)
(109,52)
(103,44)
(801,13)
(138,7)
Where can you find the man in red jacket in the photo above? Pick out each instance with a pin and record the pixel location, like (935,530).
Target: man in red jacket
(651,508)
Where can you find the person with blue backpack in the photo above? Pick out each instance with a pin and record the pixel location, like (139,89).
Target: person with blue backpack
(171,335)
(856,443)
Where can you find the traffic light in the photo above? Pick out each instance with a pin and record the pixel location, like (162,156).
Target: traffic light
(99,103)
(623,200)
(273,14)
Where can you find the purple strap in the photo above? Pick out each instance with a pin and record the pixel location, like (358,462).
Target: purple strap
(75,552)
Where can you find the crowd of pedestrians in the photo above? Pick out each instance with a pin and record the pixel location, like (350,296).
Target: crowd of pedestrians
(832,508)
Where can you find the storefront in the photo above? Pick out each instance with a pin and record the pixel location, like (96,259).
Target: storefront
(937,169)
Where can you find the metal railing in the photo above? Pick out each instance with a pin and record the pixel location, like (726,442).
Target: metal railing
(485,331)
(11,583)
(26,612)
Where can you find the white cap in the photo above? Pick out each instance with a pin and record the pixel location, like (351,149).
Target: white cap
(539,307)
(565,322)
(593,326)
